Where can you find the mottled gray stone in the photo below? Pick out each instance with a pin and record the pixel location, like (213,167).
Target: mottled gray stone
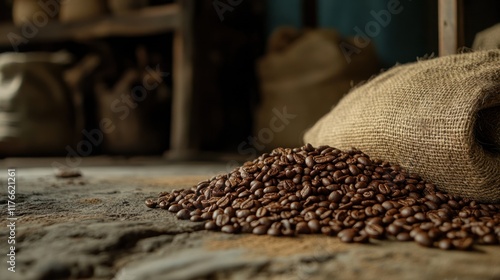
(97,227)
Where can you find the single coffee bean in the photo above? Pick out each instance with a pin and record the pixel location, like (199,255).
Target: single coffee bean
(309,161)
(183,214)
(314,226)
(407,212)
(354,169)
(387,205)
(489,239)
(374,230)
(228,229)
(403,236)
(210,225)
(364,161)
(196,218)
(174,208)
(223,201)
(271,189)
(463,243)
(306,191)
(445,244)
(247,204)
(260,230)
(243,213)
(335,197)
(302,227)
(423,239)
(384,189)
(222,220)
(150,203)
(347,235)
(230,211)
(265,221)
(261,212)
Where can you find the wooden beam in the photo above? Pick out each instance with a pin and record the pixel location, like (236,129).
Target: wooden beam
(180,140)
(450,14)
(147,21)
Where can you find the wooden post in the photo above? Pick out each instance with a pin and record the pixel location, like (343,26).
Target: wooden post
(180,144)
(450,14)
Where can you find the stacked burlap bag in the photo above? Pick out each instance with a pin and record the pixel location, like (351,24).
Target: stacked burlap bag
(439,118)
(488,38)
(304,73)
(37,113)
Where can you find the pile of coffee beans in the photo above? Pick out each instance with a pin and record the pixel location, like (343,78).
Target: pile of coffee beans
(337,193)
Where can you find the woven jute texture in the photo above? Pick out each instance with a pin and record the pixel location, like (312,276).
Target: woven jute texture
(439,118)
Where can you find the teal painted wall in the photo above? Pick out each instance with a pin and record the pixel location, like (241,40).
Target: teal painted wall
(401,40)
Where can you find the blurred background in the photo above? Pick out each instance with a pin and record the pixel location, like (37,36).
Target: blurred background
(191,78)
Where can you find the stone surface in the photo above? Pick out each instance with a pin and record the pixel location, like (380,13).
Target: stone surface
(97,227)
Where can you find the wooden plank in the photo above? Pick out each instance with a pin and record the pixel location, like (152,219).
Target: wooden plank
(180,145)
(150,20)
(450,23)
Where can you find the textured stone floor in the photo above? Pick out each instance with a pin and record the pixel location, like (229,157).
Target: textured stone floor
(97,227)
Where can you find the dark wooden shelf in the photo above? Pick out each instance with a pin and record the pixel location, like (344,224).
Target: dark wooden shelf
(176,18)
(142,22)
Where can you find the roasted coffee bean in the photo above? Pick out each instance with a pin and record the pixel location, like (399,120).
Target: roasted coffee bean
(354,169)
(384,189)
(183,214)
(261,212)
(206,215)
(222,220)
(347,235)
(295,206)
(364,161)
(302,227)
(406,211)
(271,189)
(314,226)
(259,230)
(223,202)
(247,204)
(445,244)
(150,203)
(164,205)
(265,221)
(274,231)
(309,161)
(335,196)
(403,236)
(306,191)
(243,213)
(230,211)
(374,230)
(463,243)
(210,225)
(489,239)
(228,229)
(423,239)
(174,208)
(324,190)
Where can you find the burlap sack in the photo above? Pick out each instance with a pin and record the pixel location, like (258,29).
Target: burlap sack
(488,38)
(439,118)
(304,74)
(36,109)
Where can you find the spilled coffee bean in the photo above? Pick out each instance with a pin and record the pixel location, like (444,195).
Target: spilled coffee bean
(337,193)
